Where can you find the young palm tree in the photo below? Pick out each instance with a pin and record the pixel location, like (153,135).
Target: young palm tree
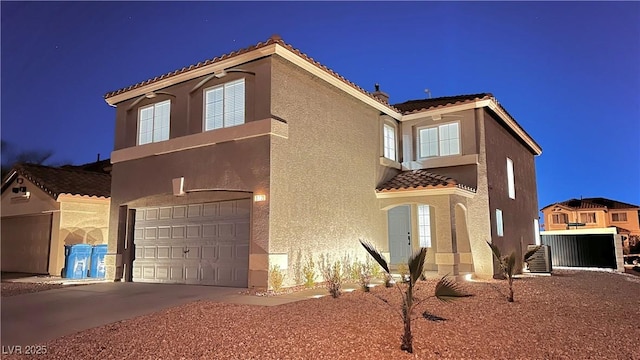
(508,264)
(446,289)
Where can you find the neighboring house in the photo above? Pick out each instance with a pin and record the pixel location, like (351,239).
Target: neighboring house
(262,156)
(45,208)
(591,213)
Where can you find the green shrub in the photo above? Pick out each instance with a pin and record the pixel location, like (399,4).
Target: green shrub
(309,272)
(333,276)
(276,278)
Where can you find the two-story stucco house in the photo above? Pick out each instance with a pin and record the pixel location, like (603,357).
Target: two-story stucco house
(244,161)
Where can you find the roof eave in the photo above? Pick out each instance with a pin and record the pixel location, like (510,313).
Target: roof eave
(212,68)
(427,191)
(490,103)
(281,50)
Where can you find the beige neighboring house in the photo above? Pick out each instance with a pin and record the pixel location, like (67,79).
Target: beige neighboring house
(45,208)
(264,156)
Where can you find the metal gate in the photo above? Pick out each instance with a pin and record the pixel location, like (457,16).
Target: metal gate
(583,250)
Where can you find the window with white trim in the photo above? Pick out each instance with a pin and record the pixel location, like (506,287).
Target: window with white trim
(499,223)
(441,140)
(622,216)
(389,134)
(424,225)
(560,218)
(224,105)
(153,122)
(588,218)
(536,232)
(510,179)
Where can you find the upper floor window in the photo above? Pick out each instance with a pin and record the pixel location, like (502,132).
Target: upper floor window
(224,105)
(588,218)
(424,225)
(441,140)
(560,218)
(499,223)
(510,179)
(622,216)
(389,142)
(153,124)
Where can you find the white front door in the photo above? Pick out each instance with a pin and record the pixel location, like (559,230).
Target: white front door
(399,220)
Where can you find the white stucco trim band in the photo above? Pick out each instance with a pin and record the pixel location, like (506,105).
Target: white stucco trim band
(247,130)
(425,192)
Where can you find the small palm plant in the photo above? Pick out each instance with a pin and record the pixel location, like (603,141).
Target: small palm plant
(508,264)
(446,289)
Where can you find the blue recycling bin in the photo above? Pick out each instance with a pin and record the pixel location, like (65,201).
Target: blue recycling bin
(76,261)
(97,269)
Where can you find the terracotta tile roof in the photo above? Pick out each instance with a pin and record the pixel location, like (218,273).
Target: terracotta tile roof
(274,39)
(419,179)
(413,106)
(594,203)
(55,181)
(622,230)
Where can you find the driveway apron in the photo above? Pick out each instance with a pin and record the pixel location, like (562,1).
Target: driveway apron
(36,318)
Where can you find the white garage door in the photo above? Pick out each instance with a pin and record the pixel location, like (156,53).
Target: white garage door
(25,244)
(204,244)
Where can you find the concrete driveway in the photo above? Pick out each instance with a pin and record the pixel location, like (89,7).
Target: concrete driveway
(36,318)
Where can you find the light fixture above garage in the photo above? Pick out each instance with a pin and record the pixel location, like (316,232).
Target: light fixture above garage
(259,197)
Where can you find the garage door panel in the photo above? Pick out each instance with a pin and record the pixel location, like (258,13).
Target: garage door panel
(163,252)
(177,272)
(164,232)
(178,232)
(242,252)
(162,272)
(192,253)
(190,245)
(25,242)
(209,230)
(209,210)
(177,252)
(164,213)
(194,211)
(193,231)
(209,252)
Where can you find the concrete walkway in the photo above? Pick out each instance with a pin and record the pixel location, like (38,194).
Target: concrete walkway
(36,318)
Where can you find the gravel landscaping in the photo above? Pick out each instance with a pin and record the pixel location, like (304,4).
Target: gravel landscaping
(570,315)
(17,288)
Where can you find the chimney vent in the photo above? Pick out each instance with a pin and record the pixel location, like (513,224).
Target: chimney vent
(384,97)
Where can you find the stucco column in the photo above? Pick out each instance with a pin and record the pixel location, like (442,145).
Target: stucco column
(447,257)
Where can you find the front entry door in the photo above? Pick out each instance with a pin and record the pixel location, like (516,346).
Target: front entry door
(399,220)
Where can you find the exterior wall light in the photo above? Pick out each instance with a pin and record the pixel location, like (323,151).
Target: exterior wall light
(259,197)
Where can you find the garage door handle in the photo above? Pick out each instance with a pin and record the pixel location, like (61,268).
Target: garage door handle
(185,251)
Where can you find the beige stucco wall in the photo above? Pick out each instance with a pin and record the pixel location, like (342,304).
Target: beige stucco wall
(38,202)
(323,177)
(81,220)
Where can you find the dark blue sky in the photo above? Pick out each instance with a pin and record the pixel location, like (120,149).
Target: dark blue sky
(568,72)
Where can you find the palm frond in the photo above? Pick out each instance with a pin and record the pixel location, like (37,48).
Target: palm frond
(531,252)
(376,255)
(416,264)
(448,290)
(495,250)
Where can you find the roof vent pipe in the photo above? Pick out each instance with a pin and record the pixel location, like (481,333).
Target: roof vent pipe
(382,96)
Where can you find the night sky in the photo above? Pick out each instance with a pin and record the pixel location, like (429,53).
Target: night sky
(568,72)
